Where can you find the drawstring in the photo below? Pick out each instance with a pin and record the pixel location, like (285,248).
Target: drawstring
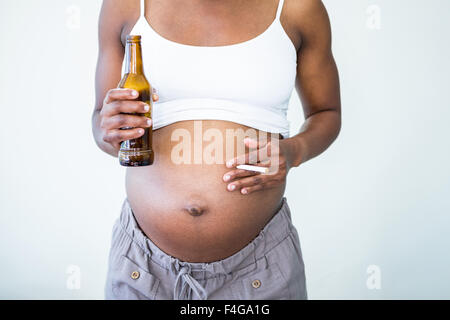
(183,289)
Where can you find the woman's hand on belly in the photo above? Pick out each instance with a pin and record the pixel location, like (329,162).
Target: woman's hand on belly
(275,155)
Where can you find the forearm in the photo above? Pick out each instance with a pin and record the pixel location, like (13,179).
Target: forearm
(316,134)
(104,146)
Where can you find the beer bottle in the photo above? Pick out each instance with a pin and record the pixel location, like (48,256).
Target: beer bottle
(137,152)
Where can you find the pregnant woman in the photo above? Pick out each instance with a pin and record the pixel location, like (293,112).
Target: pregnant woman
(197,229)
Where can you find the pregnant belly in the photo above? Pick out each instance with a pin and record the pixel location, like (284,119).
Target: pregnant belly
(185,208)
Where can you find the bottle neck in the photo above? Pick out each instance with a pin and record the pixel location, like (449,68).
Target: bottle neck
(134,58)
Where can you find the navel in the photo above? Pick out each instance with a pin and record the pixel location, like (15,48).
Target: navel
(195,210)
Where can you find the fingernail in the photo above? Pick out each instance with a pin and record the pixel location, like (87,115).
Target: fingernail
(134,93)
(226,177)
(149,122)
(229,163)
(244,191)
(146,107)
(231,187)
(141,131)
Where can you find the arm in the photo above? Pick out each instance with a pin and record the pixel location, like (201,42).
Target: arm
(317,84)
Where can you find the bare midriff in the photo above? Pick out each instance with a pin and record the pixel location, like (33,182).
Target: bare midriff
(186,209)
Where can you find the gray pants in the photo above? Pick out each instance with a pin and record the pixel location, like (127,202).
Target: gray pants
(269,267)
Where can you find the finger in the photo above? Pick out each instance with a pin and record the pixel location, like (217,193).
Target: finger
(117,107)
(249,190)
(155,97)
(246,182)
(255,143)
(118,135)
(126,121)
(265,163)
(251,157)
(239,173)
(120,94)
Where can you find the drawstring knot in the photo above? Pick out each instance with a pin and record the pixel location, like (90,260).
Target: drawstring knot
(185,284)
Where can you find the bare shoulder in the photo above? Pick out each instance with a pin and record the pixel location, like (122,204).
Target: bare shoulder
(118,15)
(308,17)
(124,7)
(306,10)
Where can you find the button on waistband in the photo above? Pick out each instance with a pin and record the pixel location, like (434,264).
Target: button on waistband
(256,284)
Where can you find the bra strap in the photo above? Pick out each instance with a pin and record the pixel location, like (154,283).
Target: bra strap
(280,8)
(142,8)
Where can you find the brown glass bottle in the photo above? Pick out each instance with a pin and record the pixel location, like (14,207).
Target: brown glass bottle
(137,152)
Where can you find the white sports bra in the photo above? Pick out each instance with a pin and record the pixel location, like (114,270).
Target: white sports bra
(249,83)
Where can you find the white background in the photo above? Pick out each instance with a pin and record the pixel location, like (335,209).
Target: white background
(379,196)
